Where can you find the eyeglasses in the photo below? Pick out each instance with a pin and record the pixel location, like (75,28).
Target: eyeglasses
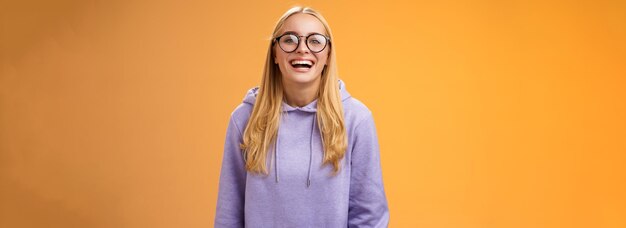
(315,42)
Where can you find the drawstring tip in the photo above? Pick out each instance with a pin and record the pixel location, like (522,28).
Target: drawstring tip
(308,183)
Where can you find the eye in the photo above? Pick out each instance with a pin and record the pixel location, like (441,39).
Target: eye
(317,40)
(289,39)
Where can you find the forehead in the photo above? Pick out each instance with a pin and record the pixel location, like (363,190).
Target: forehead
(303,24)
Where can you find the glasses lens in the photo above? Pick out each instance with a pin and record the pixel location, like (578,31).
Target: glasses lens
(288,43)
(316,42)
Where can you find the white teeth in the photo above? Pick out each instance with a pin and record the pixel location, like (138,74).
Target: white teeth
(307,62)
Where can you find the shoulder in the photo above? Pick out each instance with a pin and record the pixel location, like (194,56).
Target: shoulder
(240,115)
(355,112)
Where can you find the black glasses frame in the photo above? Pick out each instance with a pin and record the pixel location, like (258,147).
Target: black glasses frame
(277,40)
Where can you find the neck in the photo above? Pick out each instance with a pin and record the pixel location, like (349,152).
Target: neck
(300,94)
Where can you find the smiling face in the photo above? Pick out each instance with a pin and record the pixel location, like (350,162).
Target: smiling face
(301,66)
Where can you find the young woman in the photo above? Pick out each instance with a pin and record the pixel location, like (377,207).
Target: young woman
(300,151)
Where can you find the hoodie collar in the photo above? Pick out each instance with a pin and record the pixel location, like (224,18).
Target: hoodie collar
(311,107)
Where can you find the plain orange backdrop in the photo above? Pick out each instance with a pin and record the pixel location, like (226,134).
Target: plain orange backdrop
(489,113)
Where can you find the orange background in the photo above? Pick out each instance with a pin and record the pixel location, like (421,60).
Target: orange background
(489,113)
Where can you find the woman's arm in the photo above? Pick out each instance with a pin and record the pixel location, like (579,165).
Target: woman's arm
(368,203)
(230,199)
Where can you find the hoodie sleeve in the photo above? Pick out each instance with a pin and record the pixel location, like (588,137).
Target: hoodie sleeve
(230,199)
(368,203)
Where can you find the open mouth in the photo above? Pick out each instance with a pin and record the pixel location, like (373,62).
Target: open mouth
(301,65)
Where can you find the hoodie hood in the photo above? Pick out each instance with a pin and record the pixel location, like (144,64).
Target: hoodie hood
(250,98)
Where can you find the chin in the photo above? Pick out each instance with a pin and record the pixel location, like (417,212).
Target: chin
(301,78)
(297,77)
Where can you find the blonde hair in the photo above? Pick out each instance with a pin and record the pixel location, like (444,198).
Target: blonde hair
(261,130)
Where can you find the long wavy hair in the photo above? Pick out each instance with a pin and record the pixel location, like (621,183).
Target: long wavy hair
(261,130)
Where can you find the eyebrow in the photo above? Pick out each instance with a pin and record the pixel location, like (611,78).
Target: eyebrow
(295,33)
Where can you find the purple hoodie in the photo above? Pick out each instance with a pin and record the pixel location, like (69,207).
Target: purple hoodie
(299,191)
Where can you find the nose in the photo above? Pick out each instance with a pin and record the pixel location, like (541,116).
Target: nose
(302,48)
